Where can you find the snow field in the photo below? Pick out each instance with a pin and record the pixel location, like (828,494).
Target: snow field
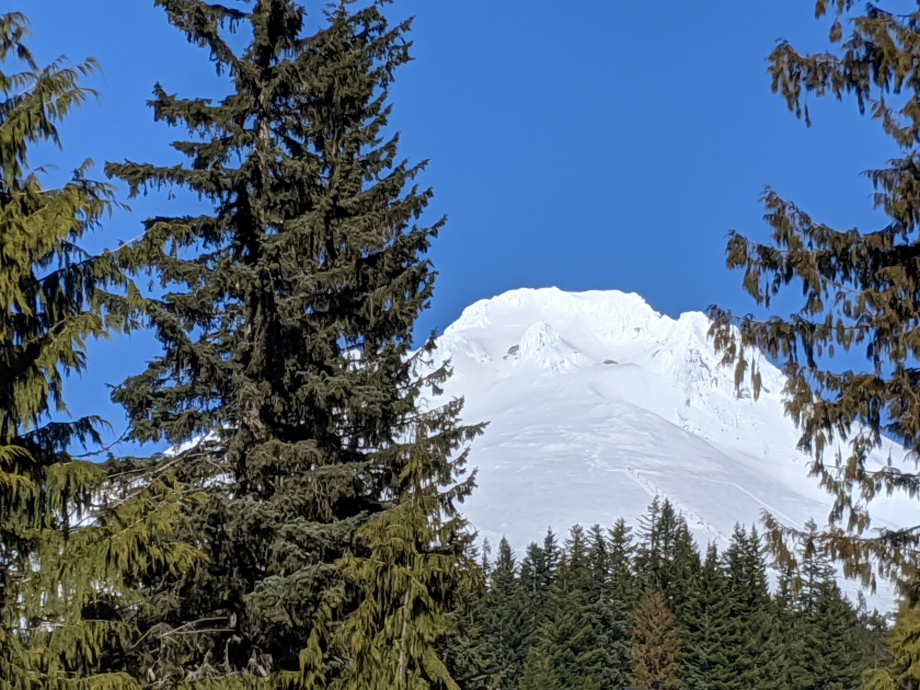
(597,403)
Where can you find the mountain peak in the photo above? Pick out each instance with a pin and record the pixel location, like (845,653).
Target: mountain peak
(608,307)
(597,403)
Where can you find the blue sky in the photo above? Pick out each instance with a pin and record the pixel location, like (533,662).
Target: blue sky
(586,145)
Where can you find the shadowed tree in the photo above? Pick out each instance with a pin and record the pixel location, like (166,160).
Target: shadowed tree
(904,644)
(708,628)
(618,598)
(567,650)
(667,559)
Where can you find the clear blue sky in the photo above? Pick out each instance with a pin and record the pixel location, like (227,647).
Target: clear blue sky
(586,145)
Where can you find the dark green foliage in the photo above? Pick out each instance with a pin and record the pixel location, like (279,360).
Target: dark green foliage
(825,648)
(567,649)
(836,653)
(752,636)
(565,652)
(469,652)
(334,550)
(619,594)
(860,292)
(873,635)
(506,625)
(566,617)
(667,560)
(704,656)
(538,569)
(71,543)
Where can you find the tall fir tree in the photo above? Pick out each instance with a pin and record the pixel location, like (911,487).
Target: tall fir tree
(288,383)
(506,620)
(599,561)
(71,543)
(468,650)
(706,665)
(860,292)
(618,600)
(753,638)
(793,659)
(823,648)
(874,628)
(539,567)
(837,654)
(666,557)
(567,650)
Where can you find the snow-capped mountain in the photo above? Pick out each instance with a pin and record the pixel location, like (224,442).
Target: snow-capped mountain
(596,403)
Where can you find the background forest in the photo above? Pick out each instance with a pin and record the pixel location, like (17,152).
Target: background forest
(607,608)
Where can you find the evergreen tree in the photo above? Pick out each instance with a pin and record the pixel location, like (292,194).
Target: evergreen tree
(793,660)
(905,655)
(71,543)
(753,639)
(287,381)
(538,574)
(708,629)
(684,572)
(648,555)
(873,635)
(566,653)
(655,647)
(667,560)
(467,650)
(838,661)
(616,605)
(574,573)
(860,291)
(813,570)
(504,627)
(485,560)
(599,564)
(507,616)
(567,650)
(823,648)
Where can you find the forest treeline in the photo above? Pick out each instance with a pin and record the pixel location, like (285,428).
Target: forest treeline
(615,608)
(306,531)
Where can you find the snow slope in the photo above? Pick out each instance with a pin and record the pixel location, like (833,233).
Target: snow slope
(597,403)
